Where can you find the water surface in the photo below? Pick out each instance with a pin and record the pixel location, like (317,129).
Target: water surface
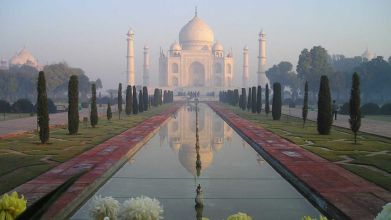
(233,177)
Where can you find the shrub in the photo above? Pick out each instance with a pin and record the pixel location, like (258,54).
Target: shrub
(370,109)
(386,109)
(23,106)
(354,103)
(129,100)
(135,103)
(73,105)
(277,102)
(52,108)
(344,110)
(42,109)
(94,109)
(5,107)
(325,118)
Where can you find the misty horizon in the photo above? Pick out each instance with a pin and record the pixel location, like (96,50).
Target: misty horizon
(92,34)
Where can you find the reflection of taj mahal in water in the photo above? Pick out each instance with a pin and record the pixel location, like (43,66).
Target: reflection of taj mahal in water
(180,131)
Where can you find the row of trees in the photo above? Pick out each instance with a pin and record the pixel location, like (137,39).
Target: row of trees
(313,63)
(253,101)
(324,117)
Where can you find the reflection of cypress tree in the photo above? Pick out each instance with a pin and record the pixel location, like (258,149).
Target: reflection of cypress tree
(199,210)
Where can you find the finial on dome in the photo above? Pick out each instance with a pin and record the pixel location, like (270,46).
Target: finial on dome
(195,11)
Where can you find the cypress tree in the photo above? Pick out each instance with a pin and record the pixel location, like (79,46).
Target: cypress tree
(254,99)
(244,104)
(277,102)
(145,98)
(94,109)
(135,102)
(305,103)
(249,99)
(73,105)
(141,101)
(259,99)
(42,109)
(267,106)
(129,100)
(354,104)
(325,117)
(119,100)
(236,97)
(109,114)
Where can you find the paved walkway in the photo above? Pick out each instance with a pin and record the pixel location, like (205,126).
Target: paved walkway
(14,127)
(382,128)
(336,191)
(102,160)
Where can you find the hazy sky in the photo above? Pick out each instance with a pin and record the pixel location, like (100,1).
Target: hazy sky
(90,34)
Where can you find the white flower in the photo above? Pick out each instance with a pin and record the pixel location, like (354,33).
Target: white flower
(103,207)
(385,214)
(141,208)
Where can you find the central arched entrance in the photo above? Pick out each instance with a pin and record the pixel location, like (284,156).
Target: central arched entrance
(196,74)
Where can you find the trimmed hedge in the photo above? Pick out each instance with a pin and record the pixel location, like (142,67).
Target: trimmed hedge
(386,109)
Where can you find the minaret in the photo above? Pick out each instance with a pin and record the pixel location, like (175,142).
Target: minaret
(146,66)
(130,58)
(262,79)
(245,66)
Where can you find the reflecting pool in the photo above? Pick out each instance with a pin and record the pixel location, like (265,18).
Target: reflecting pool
(184,154)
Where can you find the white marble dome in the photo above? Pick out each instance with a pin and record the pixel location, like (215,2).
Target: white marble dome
(218,47)
(175,46)
(196,34)
(24,58)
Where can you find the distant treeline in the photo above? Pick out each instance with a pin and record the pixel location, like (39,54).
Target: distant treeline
(375,76)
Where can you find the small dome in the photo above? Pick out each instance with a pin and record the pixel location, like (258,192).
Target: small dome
(196,34)
(175,46)
(368,55)
(218,47)
(130,32)
(24,58)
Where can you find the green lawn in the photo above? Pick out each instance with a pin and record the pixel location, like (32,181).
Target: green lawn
(23,158)
(386,118)
(10,116)
(370,158)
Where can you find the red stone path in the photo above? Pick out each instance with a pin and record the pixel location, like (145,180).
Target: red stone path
(338,192)
(104,159)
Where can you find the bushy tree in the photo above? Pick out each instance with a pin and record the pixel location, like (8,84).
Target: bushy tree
(109,114)
(129,100)
(305,103)
(42,109)
(135,102)
(73,105)
(119,100)
(254,99)
(145,98)
(23,106)
(94,109)
(277,101)
(5,107)
(325,118)
(354,103)
(52,108)
(259,99)
(141,99)
(267,105)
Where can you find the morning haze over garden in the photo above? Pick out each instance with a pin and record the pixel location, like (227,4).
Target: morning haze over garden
(195,110)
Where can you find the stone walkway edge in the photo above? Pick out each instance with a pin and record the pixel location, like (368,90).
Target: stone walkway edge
(103,161)
(335,191)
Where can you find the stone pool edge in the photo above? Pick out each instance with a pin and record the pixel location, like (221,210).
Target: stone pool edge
(328,200)
(103,160)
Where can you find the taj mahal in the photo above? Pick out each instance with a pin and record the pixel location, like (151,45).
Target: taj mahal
(196,60)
